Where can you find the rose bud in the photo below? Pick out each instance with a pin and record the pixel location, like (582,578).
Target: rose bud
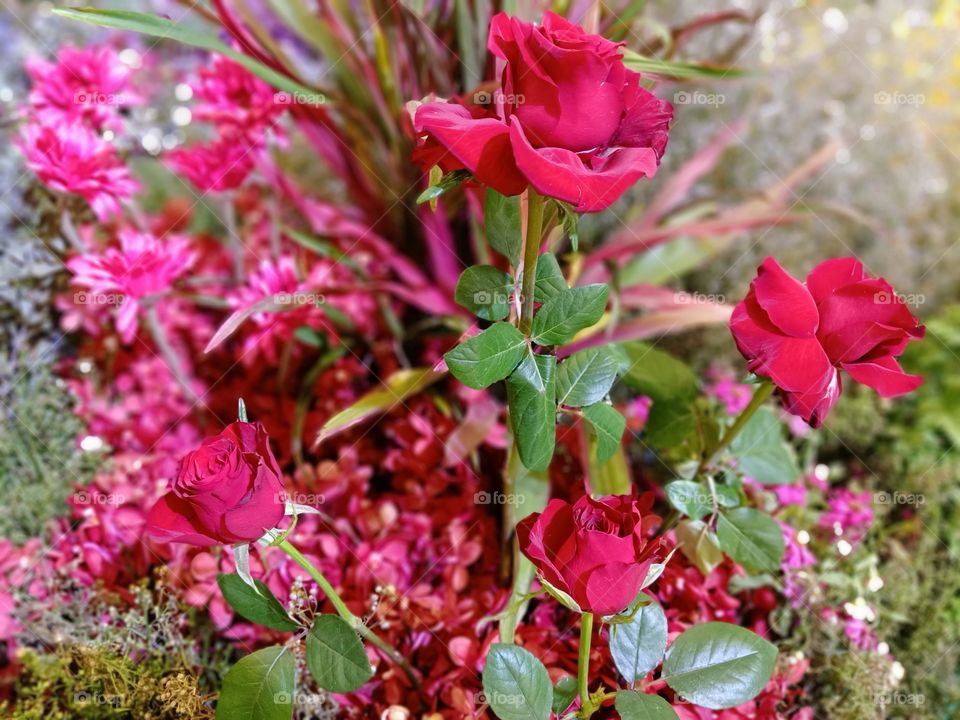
(594,551)
(801,335)
(228,491)
(569,118)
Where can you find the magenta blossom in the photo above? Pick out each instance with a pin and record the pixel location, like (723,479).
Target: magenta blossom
(230,96)
(141,267)
(849,514)
(89,83)
(72,158)
(218,166)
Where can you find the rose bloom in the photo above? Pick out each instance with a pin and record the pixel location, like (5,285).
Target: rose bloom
(569,118)
(596,551)
(800,335)
(228,491)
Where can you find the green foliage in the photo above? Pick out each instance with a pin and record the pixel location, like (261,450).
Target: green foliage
(335,655)
(607,425)
(752,538)
(550,281)
(501,216)
(531,394)
(637,646)
(719,665)
(485,291)
(565,314)
(632,705)
(761,451)
(40,462)
(586,377)
(260,686)
(258,606)
(516,684)
(485,358)
(673,388)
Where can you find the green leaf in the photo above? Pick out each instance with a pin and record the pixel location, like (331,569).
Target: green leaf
(678,70)
(262,609)
(485,291)
(752,538)
(561,317)
(485,358)
(395,389)
(563,693)
(634,705)
(673,388)
(569,220)
(690,498)
(259,687)
(699,545)
(761,451)
(586,377)
(532,400)
(608,425)
(501,217)
(335,655)
(719,665)
(516,684)
(161,27)
(637,646)
(447,182)
(550,280)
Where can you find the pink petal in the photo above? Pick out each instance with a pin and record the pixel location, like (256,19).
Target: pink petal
(787,302)
(561,174)
(172,520)
(832,274)
(884,375)
(482,145)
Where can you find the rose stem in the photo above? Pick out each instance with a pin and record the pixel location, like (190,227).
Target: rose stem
(531,252)
(344,612)
(523,572)
(760,396)
(583,665)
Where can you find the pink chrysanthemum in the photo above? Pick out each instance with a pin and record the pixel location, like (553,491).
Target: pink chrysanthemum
(142,266)
(84,83)
(218,166)
(72,158)
(232,97)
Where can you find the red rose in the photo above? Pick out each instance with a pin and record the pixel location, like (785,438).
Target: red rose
(596,551)
(800,335)
(228,491)
(569,119)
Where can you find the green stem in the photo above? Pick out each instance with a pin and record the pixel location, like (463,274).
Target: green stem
(531,251)
(583,665)
(343,611)
(760,396)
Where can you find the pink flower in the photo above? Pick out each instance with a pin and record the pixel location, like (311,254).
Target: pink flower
(218,166)
(72,158)
(723,386)
(230,96)
(88,84)
(141,267)
(849,514)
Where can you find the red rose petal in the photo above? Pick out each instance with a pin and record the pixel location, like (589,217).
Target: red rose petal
(786,301)
(884,375)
